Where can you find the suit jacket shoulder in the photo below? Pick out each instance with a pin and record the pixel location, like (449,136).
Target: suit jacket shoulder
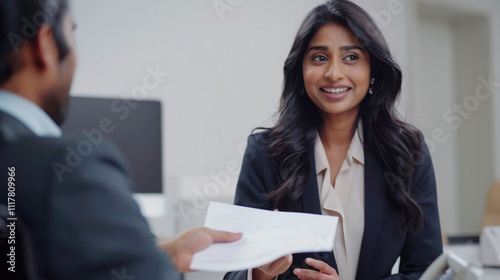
(258,174)
(11,128)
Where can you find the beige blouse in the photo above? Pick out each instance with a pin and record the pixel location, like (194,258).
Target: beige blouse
(345,200)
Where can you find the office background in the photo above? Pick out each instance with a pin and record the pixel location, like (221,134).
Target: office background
(224,61)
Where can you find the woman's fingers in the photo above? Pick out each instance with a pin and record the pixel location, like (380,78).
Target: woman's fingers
(325,272)
(307,274)
(321,266)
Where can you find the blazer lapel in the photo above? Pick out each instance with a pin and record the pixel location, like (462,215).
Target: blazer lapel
(374,198)
(310,197)
(310,203)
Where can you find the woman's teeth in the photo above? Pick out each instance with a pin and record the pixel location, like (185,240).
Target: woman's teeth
(335,90)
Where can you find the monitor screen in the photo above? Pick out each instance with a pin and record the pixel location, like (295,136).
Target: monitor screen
(135,126)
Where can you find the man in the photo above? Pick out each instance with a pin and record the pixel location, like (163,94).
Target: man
(85,226)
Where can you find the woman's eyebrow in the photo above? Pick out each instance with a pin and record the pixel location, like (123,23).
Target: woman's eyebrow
(348,48)
(343,48)
(320,48)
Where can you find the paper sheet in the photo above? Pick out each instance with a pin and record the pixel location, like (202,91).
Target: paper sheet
(267,235)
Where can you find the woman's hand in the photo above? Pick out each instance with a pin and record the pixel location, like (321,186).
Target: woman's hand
(325,272)
(271,270)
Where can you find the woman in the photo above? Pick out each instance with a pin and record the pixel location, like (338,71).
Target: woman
(339,149)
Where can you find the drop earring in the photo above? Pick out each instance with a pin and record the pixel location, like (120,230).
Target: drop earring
(370,89)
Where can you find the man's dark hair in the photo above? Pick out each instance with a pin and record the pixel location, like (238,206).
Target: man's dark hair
(20,21)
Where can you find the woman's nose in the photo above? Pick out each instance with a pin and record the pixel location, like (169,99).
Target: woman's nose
(334,71)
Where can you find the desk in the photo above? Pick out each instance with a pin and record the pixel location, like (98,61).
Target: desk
(470,253)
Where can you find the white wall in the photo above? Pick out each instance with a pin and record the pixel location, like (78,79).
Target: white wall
(492,9)
(225,71)
(475,136)
(470,151)
(225,76)
(435,88)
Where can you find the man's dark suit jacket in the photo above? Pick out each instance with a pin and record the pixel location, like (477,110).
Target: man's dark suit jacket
(84,223)
(382,242)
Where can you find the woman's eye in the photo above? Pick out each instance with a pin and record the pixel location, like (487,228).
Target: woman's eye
(351,57)
(320,58)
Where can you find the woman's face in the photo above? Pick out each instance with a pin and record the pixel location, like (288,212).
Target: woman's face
(336,70)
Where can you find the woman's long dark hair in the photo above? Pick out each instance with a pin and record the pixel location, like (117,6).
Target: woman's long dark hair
(395,143)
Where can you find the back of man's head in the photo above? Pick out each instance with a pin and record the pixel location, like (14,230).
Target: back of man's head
(20,21)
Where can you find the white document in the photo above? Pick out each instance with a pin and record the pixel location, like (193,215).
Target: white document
(267,236)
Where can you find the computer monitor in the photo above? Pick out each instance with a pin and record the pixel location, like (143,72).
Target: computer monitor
(136,127)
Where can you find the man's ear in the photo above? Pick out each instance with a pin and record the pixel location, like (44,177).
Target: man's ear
(46,52)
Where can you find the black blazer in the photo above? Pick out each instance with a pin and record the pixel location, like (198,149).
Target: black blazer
(382,242)
(83,221)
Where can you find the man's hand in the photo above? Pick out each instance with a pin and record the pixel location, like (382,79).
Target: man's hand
(181,248)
